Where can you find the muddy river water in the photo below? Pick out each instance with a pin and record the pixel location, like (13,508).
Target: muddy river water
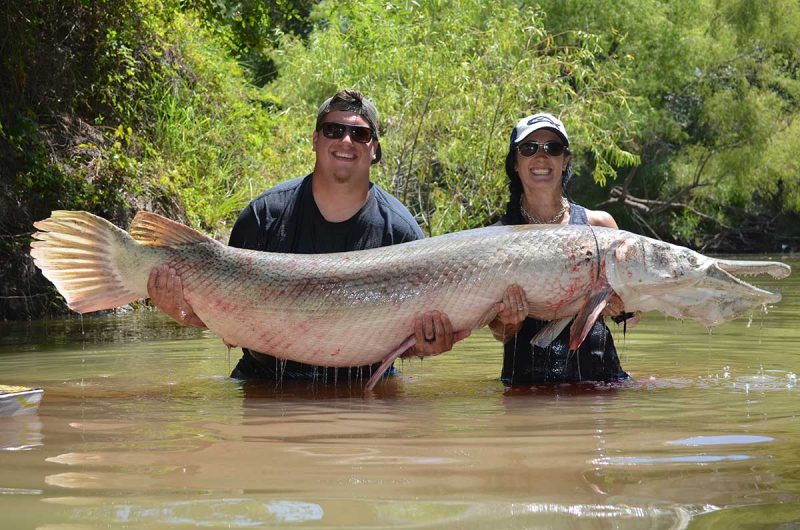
(141,427)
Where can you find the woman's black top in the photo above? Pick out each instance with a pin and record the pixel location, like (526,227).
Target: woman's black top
(595,360)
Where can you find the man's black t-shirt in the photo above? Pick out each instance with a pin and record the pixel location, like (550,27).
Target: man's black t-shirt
(286,219)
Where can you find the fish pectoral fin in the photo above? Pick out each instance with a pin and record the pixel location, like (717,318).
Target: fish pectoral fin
(549,333)
(461,335)
(587,316)
(388,360)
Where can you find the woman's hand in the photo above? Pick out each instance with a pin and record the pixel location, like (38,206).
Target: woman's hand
(166,292)
(511,313)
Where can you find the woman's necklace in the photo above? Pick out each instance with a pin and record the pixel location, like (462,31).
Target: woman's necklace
(532,219)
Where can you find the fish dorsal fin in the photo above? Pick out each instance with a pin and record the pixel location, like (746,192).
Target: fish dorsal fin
(153,230)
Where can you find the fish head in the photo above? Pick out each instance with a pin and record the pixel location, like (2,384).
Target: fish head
(651,275)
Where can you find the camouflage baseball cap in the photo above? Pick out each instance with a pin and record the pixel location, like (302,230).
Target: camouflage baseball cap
(350,100)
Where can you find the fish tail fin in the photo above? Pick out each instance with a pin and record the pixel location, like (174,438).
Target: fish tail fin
(76,251)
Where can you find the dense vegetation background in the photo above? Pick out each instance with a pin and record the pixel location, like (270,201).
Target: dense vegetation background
(682,112)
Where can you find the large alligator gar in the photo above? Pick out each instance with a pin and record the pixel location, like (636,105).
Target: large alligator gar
(357,308)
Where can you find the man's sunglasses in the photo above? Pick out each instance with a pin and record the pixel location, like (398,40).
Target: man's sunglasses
(531,148)
(337,130)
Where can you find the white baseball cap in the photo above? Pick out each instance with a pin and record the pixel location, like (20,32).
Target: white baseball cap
(542,120)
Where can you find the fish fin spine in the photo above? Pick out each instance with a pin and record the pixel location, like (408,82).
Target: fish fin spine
(153,230)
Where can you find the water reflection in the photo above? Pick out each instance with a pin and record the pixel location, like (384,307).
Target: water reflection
(227,512)
(256,392)
(730,439)
(686,459)
(243,512)
(20,433)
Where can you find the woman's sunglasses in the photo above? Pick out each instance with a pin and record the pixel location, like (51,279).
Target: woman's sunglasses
(531,148)
(337,130)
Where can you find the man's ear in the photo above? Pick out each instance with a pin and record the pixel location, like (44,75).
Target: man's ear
(314,141)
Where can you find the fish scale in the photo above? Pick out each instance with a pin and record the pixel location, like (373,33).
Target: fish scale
(358,308)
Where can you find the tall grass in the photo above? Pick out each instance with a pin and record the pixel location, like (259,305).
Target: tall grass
(207,132)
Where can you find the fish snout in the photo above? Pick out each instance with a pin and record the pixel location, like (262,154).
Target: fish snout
(651,275)
(776,269)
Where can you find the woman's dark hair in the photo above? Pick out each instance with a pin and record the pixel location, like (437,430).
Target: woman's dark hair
(513,215)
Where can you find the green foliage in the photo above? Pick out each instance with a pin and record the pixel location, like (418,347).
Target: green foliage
(250,28)
(747,98)
(719,86)
(451,79)
(104,113)
(206,134)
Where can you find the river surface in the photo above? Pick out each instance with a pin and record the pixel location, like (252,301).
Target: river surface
(140,427)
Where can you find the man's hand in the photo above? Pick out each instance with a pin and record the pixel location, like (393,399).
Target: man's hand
(434,334)
(166,292)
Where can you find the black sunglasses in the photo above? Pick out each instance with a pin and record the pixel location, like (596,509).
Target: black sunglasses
(337,130)
(531,148)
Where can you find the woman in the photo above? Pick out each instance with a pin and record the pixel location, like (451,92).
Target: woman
(539,168)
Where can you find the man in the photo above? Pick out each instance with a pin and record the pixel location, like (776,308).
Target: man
(334,209)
